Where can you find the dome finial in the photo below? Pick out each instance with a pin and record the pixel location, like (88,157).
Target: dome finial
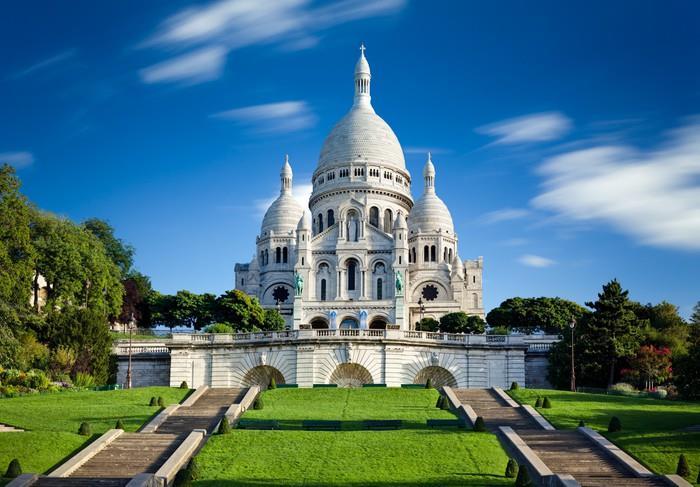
(362,48)
(286,176)
(362,80)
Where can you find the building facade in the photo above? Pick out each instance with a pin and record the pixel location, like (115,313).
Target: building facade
(364,255)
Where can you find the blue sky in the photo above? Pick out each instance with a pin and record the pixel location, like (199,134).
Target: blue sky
(565,134)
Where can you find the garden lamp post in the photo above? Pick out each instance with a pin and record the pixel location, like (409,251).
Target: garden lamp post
(128,369)
(422,310)
(572,325)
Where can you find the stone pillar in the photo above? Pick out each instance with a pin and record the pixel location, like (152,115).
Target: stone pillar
(297,313)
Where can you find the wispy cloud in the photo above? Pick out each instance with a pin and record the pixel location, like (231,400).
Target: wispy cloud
(536,127)
(424,150)
(301,193)
(513,242)
(505,214)
(652,195)
(45,63)
(17,159)
(531,260)
(191,68)
(272,118)
(234,24)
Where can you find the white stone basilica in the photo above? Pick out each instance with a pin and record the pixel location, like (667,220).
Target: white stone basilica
(366,256)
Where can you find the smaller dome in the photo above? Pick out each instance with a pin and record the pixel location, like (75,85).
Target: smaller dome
(400,222)
(282,217)
(362,66)
(304,221)
(430,213)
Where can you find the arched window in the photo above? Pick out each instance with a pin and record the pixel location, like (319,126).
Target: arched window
(413,251)
(380,288)
(426,254)
(433,257)
(320,222)
(285,255)
(323,289)
(374,216)
(330,220)
(388,220)
(444,254)
(352,268)
(267,257)
(262,257)
(278,255)
(449,255)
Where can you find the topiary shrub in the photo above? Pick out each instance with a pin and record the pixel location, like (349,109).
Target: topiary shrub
(429,383)
(538,402)
(581,424)
(445,403)
(438,404)
(194,468)
(183,385)
(273,383)
(258,403)
(683,469)
(698,480)
(85,429)
(161,401)
(547,404)
(119,425)
(615,425)
(14,469)
(479,425)
(512,468)
(514,386)
(154,401)
(523,479)
(224,426)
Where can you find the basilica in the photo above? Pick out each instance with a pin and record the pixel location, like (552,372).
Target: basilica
(365,254)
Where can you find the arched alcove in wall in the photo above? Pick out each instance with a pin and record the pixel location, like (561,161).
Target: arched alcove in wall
(439,376)
(261,376)
(350,375)
(319,323)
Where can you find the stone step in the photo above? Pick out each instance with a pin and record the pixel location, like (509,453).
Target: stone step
(4,428)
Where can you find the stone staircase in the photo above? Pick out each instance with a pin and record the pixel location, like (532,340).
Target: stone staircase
(9,429)
(563,451)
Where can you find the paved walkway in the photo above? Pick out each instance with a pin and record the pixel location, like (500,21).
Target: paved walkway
(563,451)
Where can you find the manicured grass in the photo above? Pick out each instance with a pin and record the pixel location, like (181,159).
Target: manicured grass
(52,421)
(652,429)
(119,335)
(411,456)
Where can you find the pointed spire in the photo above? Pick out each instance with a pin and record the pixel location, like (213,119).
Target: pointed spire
(363,77)
(286,176)
(429,175)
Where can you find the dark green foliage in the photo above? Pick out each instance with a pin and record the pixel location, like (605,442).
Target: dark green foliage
(85,429)
(538,402)
(581,424)
(429,383)
(184,385)
(183,478)
(258,403)
(236,307)
(685,369)
(514,386)
(161,401)
(512,468)
(529,315)
(461,322)
(479,425)
(273,320)
(428,324)
(14,469)
(615,425)
(194,468)
(547,404)
(683,469)
(122,254)
(698,479)
(153,402)
(119,425)
(224,426)
(438,404)
(273,383)
(523,479)
(445,403)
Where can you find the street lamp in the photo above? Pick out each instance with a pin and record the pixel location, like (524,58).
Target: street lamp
(422,311)
(128,369)
(572,325)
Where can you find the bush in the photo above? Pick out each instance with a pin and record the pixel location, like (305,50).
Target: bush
(224,426)
(461,322)
(14,469)
(683,469)
(258,403)
(273,383)
(429,383)
(659,393)
(623,388)
(84,380)
(85,429)
(523,479)
(438,404)
(219,328)
(615,425)
(427,324)
(512,468)
(183,385)
(161,402)
(119,425)
(581,424)
(514,386)
(154,401)
(538,402)
(445,403)
(183,478)
(547,404)
(479,425)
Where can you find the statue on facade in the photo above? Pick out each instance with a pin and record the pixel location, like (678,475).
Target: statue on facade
(399,283)
(298,284)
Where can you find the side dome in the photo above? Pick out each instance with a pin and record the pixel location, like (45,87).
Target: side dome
(430,213)
(282,217)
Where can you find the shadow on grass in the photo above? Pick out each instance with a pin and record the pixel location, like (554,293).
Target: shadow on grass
(350,425)
(72,454)
(466,480)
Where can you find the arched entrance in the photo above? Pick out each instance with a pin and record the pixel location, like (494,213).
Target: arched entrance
(261,375)
(350,375)
(378,324)
(319,323)
(439,376)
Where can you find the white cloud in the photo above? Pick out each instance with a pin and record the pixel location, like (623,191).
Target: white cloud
(513,242)
(191,68)
(506,214)
(280,117)
(17,159)
(535,261)
(233,24)
(652,195)
(46,63)
(301,193)
(424,150)
(537,127)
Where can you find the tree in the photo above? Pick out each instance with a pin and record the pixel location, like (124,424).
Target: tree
(162,308)
(461,322)
(137,289)
(613,325)
(686,368)
(194,310)
(695,317)
(530,315)
(428,324)
(652,364)
(241,311)
(274,321)
(120,253)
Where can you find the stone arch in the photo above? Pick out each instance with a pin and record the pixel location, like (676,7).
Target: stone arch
(350,375)
(378,323)
(319,323)
(444,291)
(439,376)
(349,322)
(261,376)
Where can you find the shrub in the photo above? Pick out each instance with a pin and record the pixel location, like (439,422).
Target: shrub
(36,379)
(273,383)
(119,425)
(193,467)
(183,385)
(161,401)
(479,425)
(445,403)
(581,424)
(438,404)
(85,429)
(14,469)
(258,403)
(514,386)
(83,379)
(154,401)
(429,383)
(615,425)
(659,393)
(523,479)
(183,478)
(224,426)
(427,324)
(623,388)
(512,468)
(547,404)
(219,328)
(683,469)
(538,402)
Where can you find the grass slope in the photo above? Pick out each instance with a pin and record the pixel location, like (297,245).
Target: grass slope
(408,457)
(652,429)
(52,422)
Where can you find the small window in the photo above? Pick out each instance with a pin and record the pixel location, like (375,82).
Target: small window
(302,261)
(380,289)
(330,220)
(433,252)
(278,255)
(285,255)
(426,254)
(374,216)
(320,222)
(242,282)
(323,289)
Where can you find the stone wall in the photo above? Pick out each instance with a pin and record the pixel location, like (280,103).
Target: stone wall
(146,369)
(536,365)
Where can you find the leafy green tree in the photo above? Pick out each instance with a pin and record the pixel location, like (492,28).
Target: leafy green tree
(194,310)
(122,254)
(137,289)
(10,348)
(241,311)
(274,321)
(685,369)
(530,315)
(461,322)
(428,324)
(162,308)
(695,317)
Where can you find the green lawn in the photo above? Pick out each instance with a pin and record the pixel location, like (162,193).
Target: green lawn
(652,429)
(414,456)
(52,421)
